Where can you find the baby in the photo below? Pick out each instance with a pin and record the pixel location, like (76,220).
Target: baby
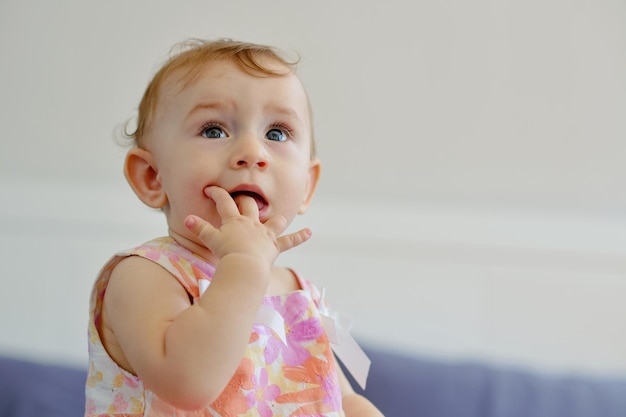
(185,325)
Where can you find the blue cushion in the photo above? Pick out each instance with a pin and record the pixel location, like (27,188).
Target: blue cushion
(402,385)
(29,389)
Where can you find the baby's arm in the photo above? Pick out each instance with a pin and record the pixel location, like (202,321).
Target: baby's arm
(187,353)
(355,405)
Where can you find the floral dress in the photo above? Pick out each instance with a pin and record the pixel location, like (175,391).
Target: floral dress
(292,375)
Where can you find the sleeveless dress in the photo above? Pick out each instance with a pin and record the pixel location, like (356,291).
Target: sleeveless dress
(274,378)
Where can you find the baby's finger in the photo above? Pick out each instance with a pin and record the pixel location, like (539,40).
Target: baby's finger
(276,224)
(200,227)
(293,239)
(224,203)
(247,205)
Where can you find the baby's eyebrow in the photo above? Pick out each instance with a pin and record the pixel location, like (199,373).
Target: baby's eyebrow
(285,111)
(213,105)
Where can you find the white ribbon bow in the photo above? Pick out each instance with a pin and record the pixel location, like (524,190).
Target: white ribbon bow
(336,325)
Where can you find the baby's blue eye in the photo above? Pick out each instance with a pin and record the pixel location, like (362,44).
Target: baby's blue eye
(276,135)
(212,132)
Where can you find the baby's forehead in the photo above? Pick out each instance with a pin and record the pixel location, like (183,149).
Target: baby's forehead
(186,75)
(186,81)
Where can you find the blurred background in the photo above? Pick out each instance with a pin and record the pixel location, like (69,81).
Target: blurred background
(472,202)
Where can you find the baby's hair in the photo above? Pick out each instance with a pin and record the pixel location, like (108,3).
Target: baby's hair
(191,56)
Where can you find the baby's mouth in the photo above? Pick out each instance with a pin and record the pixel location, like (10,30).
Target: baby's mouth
(259,199)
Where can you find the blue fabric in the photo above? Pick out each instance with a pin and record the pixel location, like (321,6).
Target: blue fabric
(29,389)
(400,385)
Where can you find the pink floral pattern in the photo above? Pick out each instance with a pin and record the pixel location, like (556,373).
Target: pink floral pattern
(298,378)
(263,395)
(299,331)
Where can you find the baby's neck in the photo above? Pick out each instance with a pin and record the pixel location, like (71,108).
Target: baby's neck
(194,247)
(283,280)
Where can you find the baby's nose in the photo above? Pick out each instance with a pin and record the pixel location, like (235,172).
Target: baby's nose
(249,152)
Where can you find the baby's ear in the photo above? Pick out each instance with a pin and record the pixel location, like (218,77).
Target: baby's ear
(314,176)
(143,177)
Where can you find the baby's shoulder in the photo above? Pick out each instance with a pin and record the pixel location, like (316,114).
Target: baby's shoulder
(136,274)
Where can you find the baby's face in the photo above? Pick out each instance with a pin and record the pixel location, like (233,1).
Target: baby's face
(247,134)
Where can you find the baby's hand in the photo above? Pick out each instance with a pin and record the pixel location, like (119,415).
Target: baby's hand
(241,231)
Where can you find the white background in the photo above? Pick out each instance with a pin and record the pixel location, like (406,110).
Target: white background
(473,198)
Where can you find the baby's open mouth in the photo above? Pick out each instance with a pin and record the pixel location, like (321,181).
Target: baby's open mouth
(259,199)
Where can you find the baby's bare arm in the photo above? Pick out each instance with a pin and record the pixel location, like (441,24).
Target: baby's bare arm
(355,405)
(187,353)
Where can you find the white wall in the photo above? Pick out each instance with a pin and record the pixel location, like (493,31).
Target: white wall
(473,152)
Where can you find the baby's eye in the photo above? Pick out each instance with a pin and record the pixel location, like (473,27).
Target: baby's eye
(277,135)
(212,132)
